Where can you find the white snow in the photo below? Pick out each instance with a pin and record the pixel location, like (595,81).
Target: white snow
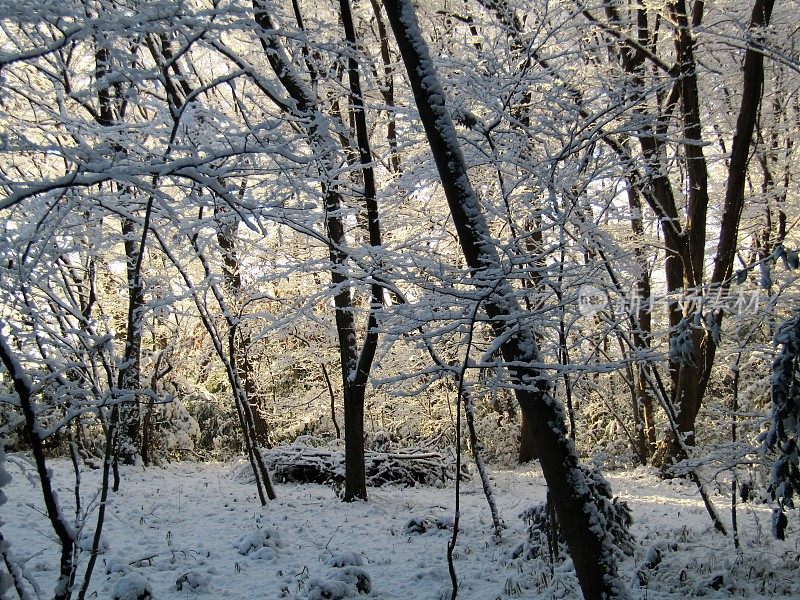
(196,530)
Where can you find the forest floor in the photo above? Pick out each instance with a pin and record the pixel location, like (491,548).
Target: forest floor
(202,525)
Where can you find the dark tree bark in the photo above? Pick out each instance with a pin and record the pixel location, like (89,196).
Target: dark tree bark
(367,355)
(591,549)
(130,372)
(642,398)
(355,364)
(527,447)
(694,376)
(128,381)
(387,87)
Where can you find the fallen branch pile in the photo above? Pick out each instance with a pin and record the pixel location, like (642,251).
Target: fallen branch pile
(305,464)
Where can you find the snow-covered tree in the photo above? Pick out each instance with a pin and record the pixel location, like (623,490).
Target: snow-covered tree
(783,436)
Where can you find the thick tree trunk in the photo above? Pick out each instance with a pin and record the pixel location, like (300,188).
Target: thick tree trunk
(527,447)
(591,549)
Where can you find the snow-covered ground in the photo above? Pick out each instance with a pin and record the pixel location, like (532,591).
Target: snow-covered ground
(198,531)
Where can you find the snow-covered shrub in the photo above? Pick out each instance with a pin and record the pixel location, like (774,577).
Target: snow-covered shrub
(652,560)
(346,582)
(12,421)
(90,439)
(266,553)
(784,432)
(117,566)
(218,424)
(417,525)
(172,429)
(381,442)
(193,581)
(346,578)
(355,577)
(497,426)
(542,537)
(328,589)
(600,402)
(85,542)
(132,587)
(679,563)
(255,540)
(499,436)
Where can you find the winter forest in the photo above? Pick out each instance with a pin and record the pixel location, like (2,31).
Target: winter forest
(399,299)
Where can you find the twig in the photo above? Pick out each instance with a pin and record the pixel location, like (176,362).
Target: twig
(451,545)
(734,480)
(108,458)
(475,445)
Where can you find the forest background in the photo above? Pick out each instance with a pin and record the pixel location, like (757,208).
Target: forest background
(228,227)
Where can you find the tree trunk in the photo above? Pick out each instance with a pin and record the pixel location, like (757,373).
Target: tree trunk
(693,376)
(527,447)
(355,365)
(128,379)
(387,88)
(130,371)
(591,549)
(643,401)
(356,488)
